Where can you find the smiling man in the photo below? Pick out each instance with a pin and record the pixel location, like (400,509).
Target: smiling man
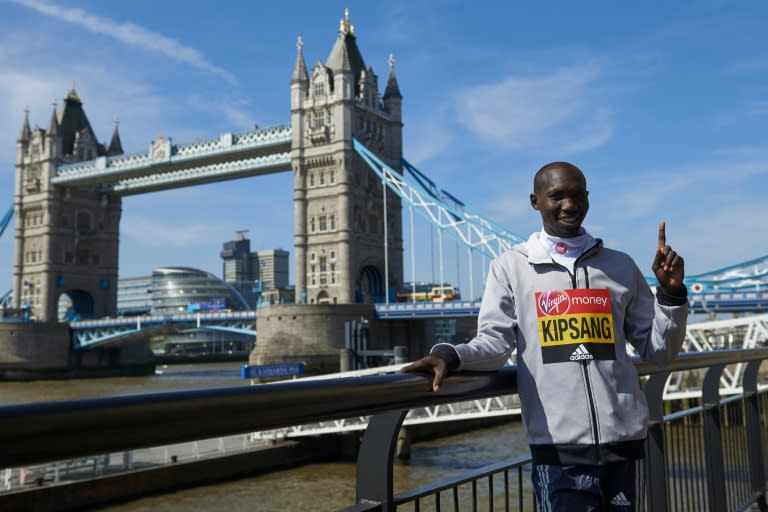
(570,306)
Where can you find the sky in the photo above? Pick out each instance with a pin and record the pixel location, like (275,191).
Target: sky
(663,105)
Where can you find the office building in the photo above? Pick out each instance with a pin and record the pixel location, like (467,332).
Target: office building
(260,277)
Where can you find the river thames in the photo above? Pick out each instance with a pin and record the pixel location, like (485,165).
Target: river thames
(316,487)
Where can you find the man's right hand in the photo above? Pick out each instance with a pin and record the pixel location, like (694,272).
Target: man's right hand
(433,365)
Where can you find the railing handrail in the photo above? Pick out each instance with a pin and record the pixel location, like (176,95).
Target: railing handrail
(45,431)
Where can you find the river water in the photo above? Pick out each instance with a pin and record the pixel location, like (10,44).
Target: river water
(315,487)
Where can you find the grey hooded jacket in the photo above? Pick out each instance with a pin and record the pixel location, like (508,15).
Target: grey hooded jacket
(581,409)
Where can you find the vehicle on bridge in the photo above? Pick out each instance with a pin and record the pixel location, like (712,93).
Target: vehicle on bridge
(422,292)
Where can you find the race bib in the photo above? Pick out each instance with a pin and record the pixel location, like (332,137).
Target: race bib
(575,325)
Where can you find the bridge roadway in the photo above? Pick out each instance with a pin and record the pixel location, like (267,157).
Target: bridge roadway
(109,330)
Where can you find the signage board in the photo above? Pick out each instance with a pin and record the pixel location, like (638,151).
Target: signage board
(271,370)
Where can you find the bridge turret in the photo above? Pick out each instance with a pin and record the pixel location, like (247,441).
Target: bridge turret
(25,131)
(393,105)
(66,237)
(345,61)
(22,143)
(52,139)
(115,145)
(340,217)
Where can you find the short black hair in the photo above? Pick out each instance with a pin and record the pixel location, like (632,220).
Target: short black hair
(553,165)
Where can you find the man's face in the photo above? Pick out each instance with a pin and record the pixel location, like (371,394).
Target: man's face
(560,195)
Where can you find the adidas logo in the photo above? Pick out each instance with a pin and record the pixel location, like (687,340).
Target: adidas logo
(620,499)
(581,353)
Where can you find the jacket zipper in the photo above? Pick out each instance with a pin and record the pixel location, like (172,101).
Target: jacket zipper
(585,363)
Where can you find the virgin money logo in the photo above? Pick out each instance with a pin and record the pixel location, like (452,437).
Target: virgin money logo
(554,303)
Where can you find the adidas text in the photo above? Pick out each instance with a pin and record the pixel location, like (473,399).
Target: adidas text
(620,499)
(581,353)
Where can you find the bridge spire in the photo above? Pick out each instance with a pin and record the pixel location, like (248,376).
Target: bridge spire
(115,145)
(300,70)
(25,131)
(392,90)
(345,27)
(53,124)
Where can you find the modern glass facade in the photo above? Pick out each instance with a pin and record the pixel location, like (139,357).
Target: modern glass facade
(184,289)
(133,297)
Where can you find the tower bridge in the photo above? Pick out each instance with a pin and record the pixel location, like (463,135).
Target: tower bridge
(343,145)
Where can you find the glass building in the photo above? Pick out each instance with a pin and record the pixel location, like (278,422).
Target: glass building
(133,297)
(189,290)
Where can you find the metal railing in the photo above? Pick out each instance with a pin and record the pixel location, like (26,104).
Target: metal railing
(711,456)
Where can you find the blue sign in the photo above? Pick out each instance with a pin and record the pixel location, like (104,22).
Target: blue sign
(271,370)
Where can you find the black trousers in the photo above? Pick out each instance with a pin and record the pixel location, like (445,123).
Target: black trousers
(609,488)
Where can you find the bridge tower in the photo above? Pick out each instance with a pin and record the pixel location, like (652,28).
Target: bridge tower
(66,237)
(340,211)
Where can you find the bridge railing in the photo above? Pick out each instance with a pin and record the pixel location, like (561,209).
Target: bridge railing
(709,457)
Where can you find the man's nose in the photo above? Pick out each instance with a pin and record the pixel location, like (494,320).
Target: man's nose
(569,204)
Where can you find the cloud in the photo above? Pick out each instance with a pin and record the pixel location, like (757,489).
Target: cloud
(129,34)
(725,225)
(427,140)
(559,108)
(683,185)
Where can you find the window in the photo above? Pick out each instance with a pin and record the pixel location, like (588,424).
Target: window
(318,120)
(322,223)
(83,256)
(333,255)
(322,178)
(323,264)
(312,225)
(311,179)
(319,88)
(333,222)
(331,176)
(84,221)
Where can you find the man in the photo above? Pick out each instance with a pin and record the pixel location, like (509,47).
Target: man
(570,306)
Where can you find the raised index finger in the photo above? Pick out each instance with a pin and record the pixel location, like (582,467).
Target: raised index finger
(662,234)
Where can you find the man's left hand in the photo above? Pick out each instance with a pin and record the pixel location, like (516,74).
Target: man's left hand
(668,266)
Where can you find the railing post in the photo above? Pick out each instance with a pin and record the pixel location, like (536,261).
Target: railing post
(376,458)
(655,463)
(713,444)
(755,441)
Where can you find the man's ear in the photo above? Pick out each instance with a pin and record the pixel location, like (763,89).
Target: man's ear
(534,202)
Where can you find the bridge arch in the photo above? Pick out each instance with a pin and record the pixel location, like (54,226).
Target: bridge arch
(75,305)
(323,297)
(370,285)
